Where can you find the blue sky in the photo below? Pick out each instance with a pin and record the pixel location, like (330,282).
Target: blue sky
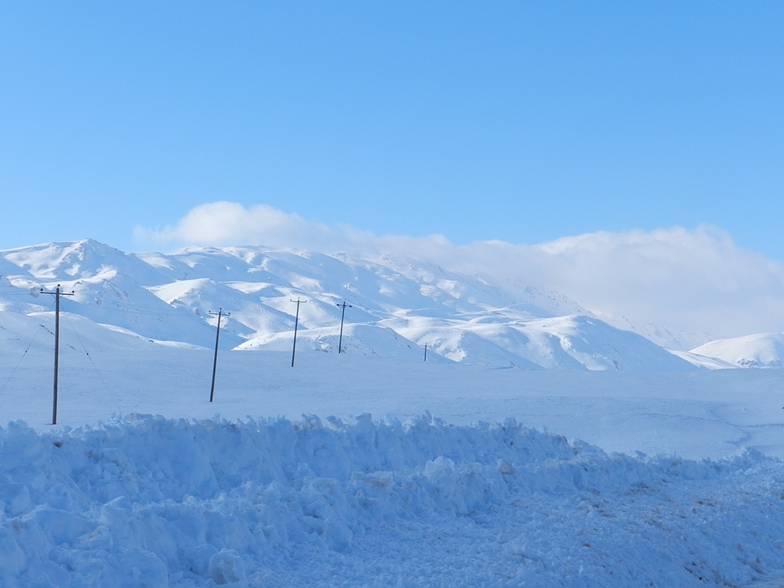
(517,121)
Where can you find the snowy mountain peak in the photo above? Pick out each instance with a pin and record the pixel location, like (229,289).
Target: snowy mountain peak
(397,305)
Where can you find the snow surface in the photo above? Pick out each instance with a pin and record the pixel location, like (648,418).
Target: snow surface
(146,501)
(310,489)
(190,499)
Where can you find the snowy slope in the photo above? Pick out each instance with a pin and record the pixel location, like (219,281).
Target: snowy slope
(396,305)
(764,350)
(190,499)
(704,361)
(144,500)
(571,342)
(81,259)
(659,334)
(358,339)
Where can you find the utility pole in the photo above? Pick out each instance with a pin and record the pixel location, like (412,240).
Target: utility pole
(296,323)
(57,293)
(342,316)
(220,315)
(425,351)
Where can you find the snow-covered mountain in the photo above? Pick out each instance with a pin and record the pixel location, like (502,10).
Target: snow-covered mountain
(397,306)
(663,336)
(763,350)
(158,498)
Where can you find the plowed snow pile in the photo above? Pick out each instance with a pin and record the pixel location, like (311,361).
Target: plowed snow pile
(147,501)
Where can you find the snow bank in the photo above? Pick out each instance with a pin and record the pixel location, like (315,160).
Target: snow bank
(147,501)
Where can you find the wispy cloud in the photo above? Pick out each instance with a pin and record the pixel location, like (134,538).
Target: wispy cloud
(690,280)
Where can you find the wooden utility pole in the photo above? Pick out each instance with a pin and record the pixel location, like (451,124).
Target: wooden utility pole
(296,323)
(220,314)
(57,293)
(342,316)
(425,351)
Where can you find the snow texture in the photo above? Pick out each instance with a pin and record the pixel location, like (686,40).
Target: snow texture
(185,498)
(764,350)
(148,501)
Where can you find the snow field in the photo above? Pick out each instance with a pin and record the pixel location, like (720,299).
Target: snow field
(695,415)
(150,501)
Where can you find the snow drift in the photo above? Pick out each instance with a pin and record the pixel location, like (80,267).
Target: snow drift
(146,501)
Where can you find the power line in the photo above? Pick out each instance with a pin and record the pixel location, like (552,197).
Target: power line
(32,340)
(168,309)
(95,367)
(119,306)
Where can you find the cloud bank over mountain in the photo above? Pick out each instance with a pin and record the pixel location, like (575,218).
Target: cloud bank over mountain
(691,280)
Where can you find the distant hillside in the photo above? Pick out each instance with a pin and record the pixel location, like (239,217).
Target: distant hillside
(764,350)
(397,306)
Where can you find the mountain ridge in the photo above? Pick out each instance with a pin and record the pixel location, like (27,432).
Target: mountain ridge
(397,304)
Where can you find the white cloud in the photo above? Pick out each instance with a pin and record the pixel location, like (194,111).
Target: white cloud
(229,223)
(688,280)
